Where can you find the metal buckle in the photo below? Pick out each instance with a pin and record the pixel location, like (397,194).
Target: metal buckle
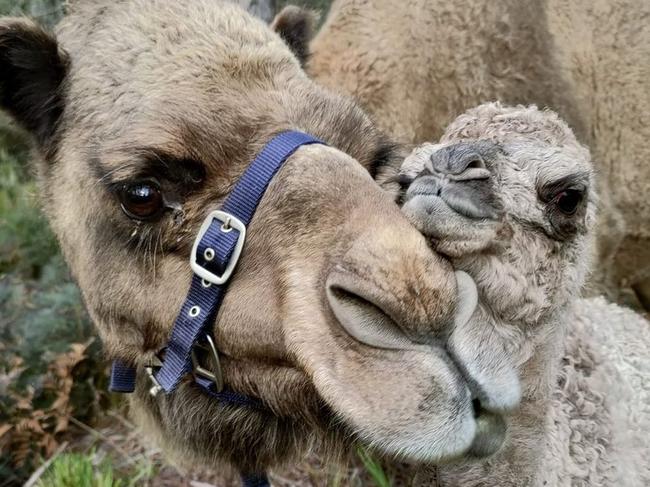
(156,387)
(229,222)
(154,364)
(213,373)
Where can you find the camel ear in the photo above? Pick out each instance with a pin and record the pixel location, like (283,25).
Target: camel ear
(296,26)
(32,70)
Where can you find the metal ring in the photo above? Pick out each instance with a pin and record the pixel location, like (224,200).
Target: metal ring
(194,311)
(226,227)
(205,284)
(208,254)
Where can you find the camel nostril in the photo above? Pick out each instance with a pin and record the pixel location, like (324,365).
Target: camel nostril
(463,160)
(476,163)
(364,320)
(389,290)
(476,406)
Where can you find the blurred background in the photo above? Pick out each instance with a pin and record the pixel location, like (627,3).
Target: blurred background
(59,427)
(50,367)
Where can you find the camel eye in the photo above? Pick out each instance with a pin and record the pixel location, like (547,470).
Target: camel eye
(568,200)
(141,200)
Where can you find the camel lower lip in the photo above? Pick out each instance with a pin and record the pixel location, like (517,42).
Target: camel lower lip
(490,434)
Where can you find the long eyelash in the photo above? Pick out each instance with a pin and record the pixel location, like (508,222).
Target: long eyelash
(141,239)
(155,251)
(148,252)
(147,241)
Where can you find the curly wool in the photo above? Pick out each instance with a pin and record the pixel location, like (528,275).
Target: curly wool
(600,413)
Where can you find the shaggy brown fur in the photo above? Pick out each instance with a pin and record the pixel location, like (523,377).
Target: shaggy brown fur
(415,65)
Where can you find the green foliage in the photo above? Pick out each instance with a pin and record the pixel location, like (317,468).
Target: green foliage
(42,382)
(50,368)
(79,470)
(93,470)
(26,242)
(374,468)
(48,12)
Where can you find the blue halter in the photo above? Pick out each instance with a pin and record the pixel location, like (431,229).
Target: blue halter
(214,257)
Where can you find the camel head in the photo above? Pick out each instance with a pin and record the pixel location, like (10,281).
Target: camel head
(145,113)
(507,194)
(513,186)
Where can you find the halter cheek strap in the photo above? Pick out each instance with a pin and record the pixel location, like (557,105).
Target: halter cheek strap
(214,257)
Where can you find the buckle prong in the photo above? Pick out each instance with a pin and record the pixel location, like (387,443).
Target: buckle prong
(226,227)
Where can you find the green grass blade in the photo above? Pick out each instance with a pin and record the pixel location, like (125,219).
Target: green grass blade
(374,468)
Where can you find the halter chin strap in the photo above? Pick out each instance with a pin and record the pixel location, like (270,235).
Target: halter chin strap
(213,259)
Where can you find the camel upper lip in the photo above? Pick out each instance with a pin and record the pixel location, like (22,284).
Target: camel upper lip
(470,197)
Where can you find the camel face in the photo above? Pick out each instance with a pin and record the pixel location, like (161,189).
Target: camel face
(146,113)
(506,179)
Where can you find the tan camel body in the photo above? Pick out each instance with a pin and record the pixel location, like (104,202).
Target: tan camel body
(416,64)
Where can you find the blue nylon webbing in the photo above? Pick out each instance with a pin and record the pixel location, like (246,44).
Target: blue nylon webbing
(122,377)
(241,203)
(255,480)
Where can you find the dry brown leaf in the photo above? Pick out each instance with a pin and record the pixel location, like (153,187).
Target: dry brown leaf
(24,403)
(4,429)
(61,424)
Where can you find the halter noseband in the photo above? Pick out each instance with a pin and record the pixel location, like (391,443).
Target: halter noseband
(214,257)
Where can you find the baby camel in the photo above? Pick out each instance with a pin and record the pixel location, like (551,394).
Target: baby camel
(508,196)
